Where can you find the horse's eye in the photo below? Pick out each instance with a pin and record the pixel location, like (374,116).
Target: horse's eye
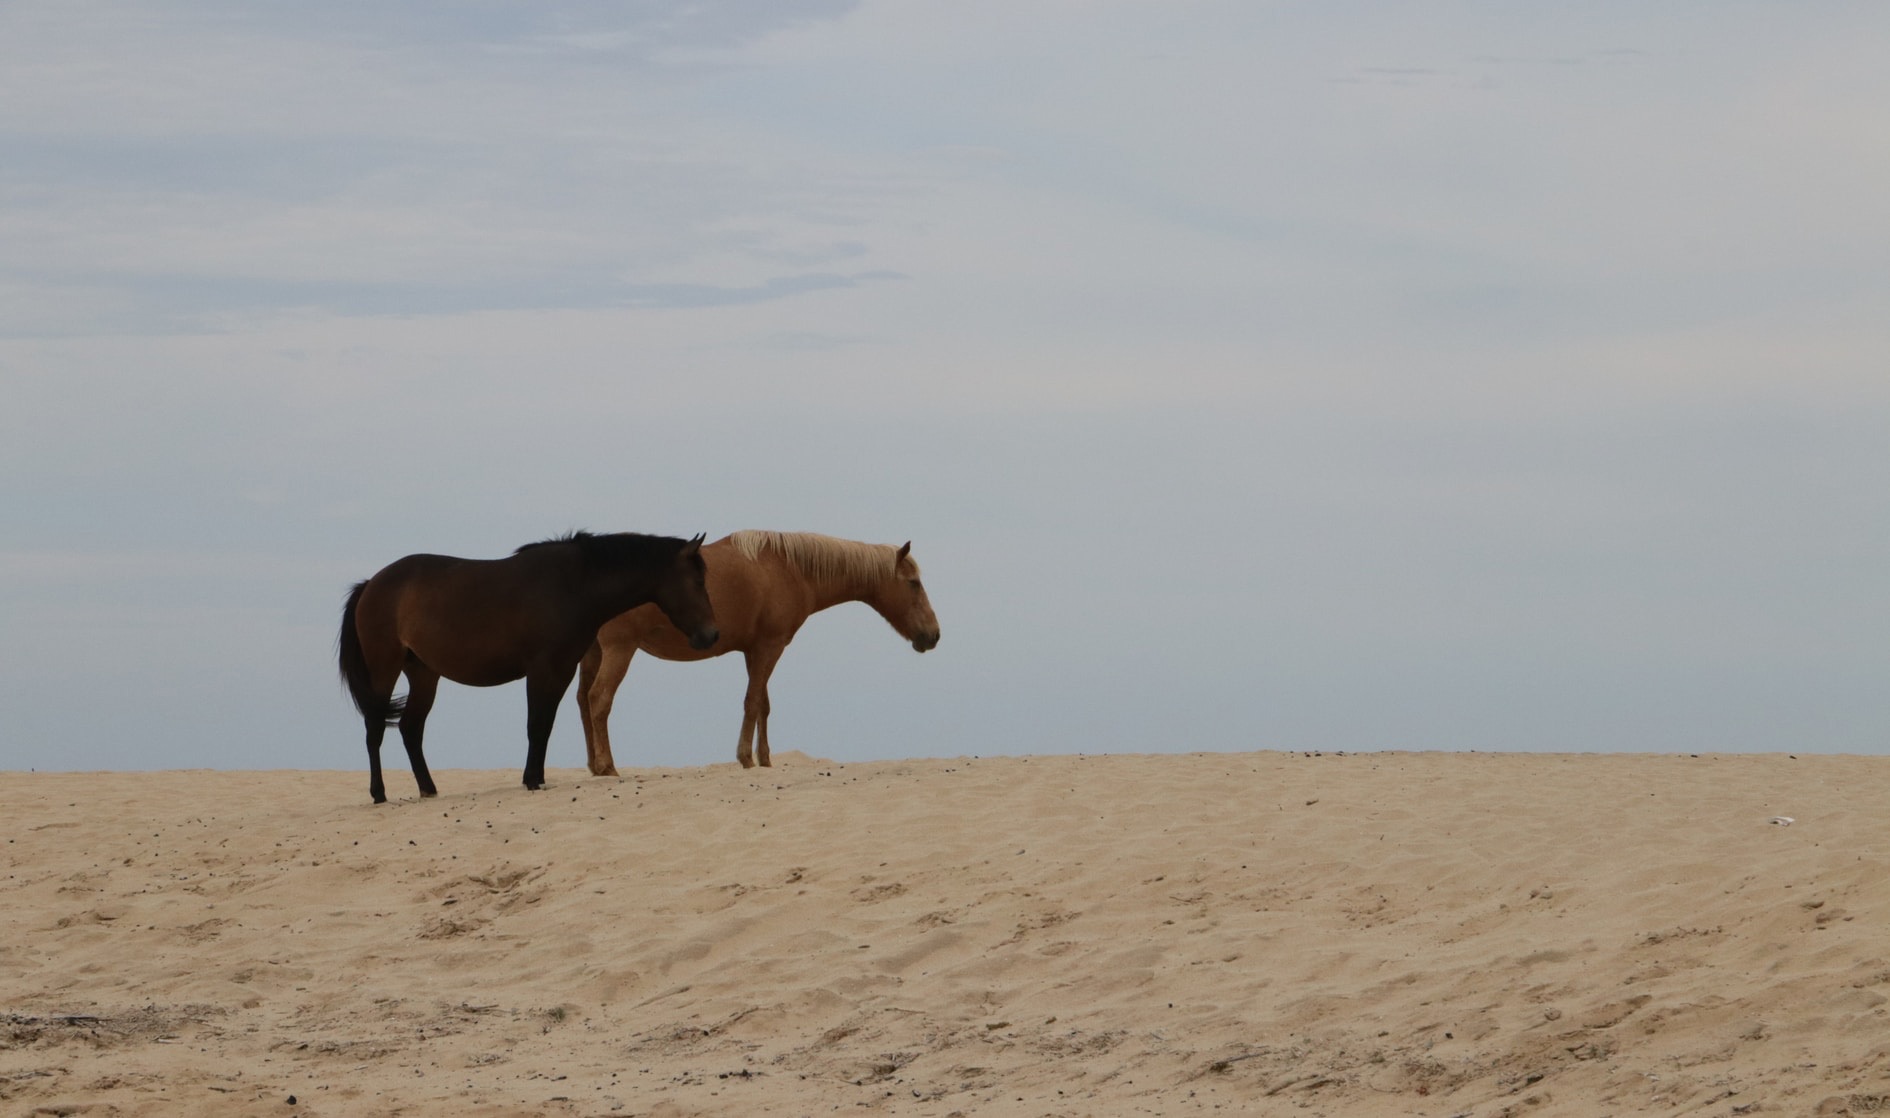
(913,582)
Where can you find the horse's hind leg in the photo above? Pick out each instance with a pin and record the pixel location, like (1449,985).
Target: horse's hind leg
(383,673)
(587,675)
(423,683)
(544,690)
(761,733)
(599,676)
(376,730)
(761,662)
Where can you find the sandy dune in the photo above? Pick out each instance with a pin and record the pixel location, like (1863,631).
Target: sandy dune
(1410,934)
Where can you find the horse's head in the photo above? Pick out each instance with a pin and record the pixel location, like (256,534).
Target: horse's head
(901,600)
(683,596)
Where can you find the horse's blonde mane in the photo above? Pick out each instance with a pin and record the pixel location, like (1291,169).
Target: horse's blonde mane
(822,558)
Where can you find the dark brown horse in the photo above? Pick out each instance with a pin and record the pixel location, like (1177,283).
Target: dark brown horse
(483,622)
(765,586)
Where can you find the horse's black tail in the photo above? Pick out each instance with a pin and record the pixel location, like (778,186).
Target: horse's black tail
(354,667)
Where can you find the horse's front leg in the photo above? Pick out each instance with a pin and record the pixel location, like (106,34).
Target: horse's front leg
(544,690)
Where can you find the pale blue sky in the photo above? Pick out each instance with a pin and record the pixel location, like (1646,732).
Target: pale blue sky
(1246,375)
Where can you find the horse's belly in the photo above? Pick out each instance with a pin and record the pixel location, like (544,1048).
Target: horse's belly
(483,678)
(668,644)
(467,666)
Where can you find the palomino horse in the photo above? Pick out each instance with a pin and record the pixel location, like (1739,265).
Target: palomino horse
(765,585)
(485,622)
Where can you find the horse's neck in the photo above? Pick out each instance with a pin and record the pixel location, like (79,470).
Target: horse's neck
(837,590)
(627,591)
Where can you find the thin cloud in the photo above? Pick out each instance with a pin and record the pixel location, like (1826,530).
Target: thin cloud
(187,304)
(689,295)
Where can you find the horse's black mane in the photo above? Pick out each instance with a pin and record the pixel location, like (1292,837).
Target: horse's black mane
(614,548)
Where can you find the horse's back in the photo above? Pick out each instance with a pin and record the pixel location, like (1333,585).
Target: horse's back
(513,579)
(412,568)
(394,586)
(475,621)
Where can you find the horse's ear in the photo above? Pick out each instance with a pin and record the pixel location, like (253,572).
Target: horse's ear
(694,545)
(905,549)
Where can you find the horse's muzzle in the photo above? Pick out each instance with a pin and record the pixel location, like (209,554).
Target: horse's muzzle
(925,642)
(704,638)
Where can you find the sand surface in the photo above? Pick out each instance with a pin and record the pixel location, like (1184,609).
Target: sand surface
(1263,933)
